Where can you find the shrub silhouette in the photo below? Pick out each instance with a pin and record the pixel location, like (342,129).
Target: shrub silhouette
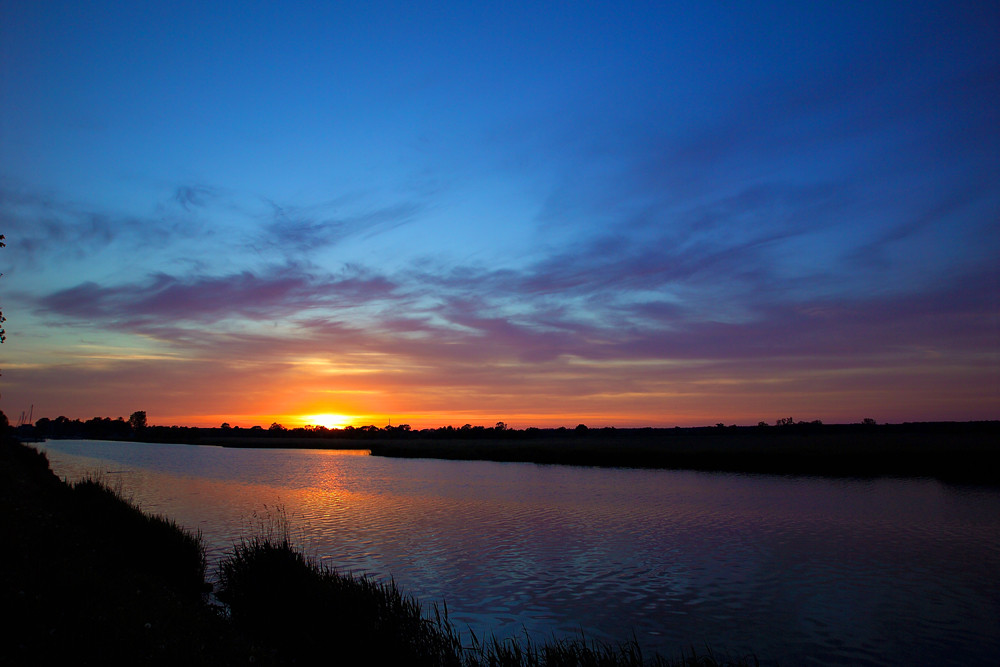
(302,611)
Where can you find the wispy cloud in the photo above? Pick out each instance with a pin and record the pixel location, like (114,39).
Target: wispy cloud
(299,230)
(276,293)
(193,196)
(52,234)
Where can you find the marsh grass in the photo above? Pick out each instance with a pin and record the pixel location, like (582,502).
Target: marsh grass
(155,541)
(94,580)
(298,610)
(579,652)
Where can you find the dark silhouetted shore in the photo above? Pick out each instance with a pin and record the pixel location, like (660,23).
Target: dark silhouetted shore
(952,451)
(959,452)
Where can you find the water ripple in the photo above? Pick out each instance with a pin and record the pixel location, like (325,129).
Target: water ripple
(801,571)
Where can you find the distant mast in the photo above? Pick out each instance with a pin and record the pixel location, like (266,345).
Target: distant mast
(31,413)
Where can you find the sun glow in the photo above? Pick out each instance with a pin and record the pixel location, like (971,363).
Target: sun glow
(328,420)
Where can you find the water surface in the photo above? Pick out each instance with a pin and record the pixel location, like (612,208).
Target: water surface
(795,570)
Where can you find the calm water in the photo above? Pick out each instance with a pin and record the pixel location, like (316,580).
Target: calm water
(796,570)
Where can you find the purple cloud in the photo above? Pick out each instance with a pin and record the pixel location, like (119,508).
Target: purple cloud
(276,293)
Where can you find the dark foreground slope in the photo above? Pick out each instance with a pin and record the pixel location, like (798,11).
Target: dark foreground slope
(92,580)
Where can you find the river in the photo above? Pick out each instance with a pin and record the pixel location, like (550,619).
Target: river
(797,570)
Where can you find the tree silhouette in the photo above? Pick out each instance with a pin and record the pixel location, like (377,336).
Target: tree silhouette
(137,420)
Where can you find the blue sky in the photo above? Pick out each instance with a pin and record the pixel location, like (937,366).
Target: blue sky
(625,214)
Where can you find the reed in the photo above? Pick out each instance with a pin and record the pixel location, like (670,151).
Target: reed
(302,611)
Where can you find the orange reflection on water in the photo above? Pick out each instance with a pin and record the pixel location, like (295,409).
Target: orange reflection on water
(328,510)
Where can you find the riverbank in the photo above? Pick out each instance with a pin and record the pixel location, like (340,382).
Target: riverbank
(93,580)
(950,451)
(961,452)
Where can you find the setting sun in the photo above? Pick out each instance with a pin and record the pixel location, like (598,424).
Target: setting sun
(328,420)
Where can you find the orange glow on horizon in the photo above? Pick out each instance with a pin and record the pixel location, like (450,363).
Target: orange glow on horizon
(328,420)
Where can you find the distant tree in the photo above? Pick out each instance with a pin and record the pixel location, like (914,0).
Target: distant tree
(787,421)
(500,427)
(256,427)
(868,421)
(275,426)
(225,426)
(43,427)
(580,428)
(762,424)
(137,420)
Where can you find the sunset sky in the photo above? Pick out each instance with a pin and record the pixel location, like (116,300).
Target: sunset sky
(622,214)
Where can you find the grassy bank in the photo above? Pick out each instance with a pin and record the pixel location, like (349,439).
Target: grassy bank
(94,580)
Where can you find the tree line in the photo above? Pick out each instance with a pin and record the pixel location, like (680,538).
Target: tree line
(137,428)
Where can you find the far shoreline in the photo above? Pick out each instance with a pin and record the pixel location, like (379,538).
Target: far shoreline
(959,452)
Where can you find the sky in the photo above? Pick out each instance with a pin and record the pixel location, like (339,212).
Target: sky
(617,214)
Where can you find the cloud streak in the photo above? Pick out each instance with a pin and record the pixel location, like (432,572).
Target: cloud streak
(301,230)
(277,293)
